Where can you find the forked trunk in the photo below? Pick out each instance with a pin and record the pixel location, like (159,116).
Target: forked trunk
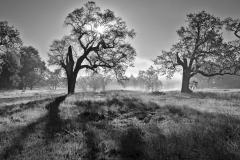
(185,81)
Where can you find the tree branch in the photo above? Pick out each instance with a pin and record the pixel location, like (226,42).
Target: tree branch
(179,61)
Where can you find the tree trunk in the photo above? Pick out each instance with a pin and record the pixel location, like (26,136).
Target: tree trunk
(185,81)
(71,83)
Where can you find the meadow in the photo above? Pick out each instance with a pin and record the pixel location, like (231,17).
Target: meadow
(121,125)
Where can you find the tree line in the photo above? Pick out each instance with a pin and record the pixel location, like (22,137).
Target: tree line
(99,40)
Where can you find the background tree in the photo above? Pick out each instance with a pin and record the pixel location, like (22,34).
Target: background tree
(55,78)
(93,81)
(104,80)
(150,79)
(10,43)
(32,69)
(9,70)
(9,37)
(133,82)
(102,38)
(233,26)
(82,83)
(200,50)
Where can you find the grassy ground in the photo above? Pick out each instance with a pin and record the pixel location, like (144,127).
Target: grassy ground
(123,125)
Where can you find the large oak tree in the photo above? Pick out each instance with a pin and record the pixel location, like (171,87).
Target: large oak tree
(200,50)
(98,39)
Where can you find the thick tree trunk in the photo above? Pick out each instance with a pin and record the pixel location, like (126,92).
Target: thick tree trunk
(71,83)
(185,81)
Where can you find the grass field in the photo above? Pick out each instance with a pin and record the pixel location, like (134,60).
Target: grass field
(121,125)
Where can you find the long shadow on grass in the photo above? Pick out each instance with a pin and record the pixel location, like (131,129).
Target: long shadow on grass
(14,108)
(17,143)
(54,123)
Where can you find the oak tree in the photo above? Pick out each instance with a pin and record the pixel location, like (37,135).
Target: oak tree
(200,50)
(98,39)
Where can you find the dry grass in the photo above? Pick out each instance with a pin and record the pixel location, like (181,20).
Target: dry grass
(123,125)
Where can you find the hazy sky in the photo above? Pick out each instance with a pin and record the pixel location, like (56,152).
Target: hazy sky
(155,21)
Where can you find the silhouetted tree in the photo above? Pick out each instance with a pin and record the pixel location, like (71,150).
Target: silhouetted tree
(102,40)
(200,50)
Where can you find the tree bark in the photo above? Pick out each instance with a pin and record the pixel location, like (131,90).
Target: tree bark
(185,81)
(71,83)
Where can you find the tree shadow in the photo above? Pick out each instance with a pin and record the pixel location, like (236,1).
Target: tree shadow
(132,144)
(16,145)
(54,123)
(15,108)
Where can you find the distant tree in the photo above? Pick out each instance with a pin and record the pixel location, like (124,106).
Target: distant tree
(93,81)
(102,40)
(55,78)
(10,43)
(82,83)
(133,82)
(104,80)
(31,72)
(193,84)
(200,50)
(150,79)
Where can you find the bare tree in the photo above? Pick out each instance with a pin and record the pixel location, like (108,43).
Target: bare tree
(102,40)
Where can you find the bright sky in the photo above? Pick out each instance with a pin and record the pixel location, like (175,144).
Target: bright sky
(155,21)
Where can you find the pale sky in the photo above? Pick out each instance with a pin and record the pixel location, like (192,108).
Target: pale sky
(155,21)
